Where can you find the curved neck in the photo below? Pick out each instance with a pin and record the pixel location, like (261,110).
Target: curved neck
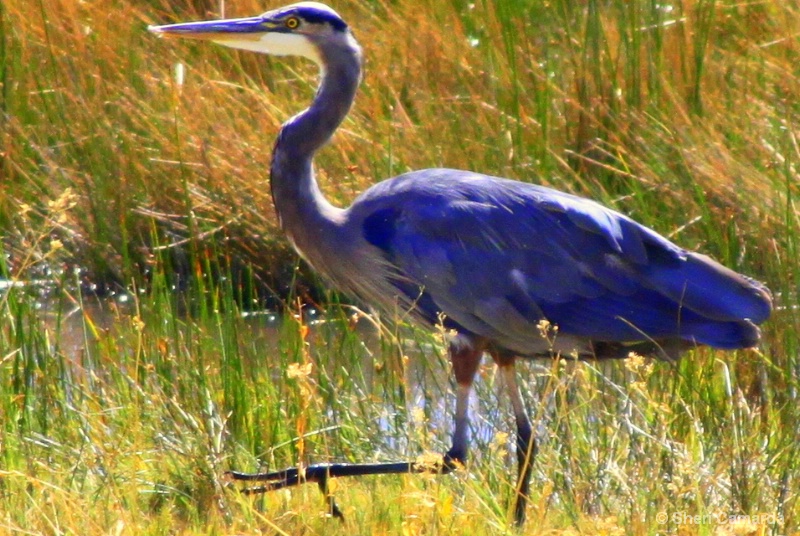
(303,211)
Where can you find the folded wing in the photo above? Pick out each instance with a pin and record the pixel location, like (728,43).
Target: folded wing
(498,256)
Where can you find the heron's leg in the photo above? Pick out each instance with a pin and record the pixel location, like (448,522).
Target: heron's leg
(465,355)
(333,508)
(526,444)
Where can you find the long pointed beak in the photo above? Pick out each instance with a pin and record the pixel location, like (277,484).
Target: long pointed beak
(257,34)
(251,28)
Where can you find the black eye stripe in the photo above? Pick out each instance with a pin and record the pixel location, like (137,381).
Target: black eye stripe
(317,16)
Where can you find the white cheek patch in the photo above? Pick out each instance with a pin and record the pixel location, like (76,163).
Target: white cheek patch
(276,44)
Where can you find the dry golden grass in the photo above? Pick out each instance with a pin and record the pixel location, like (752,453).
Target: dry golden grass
(610,102)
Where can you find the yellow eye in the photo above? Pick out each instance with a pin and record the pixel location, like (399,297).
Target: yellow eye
(292,23)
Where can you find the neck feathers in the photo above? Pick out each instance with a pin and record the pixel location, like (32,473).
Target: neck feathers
(299,203)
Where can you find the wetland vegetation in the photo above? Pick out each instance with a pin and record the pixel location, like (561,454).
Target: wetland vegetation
(137,362)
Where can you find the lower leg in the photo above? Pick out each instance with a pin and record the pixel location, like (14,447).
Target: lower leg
(465,355)
(526,444)
(458,450)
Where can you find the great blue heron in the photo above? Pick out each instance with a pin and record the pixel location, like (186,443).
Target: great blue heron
(489,258)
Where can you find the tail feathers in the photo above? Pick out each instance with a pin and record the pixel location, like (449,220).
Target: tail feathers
(712,290)
(724,335)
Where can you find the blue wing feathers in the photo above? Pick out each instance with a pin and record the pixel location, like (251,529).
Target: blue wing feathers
(497,256)
(708,287)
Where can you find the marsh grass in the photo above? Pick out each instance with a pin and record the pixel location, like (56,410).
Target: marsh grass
(120,414)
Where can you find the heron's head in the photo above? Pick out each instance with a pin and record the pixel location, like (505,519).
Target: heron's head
(303,29)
